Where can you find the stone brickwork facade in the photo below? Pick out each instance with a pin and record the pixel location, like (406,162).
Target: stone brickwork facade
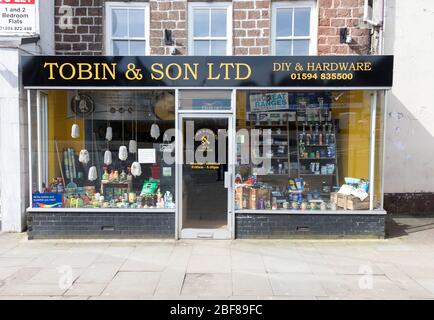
(83,34)
(336,14)
(171,15)
(251,27)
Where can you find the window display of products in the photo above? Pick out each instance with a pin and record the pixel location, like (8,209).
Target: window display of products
(107,150)
(301,152)
(95,142)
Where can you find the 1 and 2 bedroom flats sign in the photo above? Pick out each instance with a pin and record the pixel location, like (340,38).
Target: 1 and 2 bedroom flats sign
(18,17)
(198,71)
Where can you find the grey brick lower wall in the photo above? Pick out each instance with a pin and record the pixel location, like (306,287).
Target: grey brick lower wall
(109,225)
(281,226)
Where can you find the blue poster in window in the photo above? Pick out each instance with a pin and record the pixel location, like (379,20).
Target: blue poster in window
(47,200)
(269,102)
(211,104)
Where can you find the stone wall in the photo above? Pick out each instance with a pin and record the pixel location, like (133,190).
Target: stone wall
(337,14)
(251,27)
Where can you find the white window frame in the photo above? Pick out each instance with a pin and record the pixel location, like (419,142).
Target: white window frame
(313,37)
(210,5)
(108,25)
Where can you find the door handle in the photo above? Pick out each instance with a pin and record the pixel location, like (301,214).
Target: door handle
(228,180)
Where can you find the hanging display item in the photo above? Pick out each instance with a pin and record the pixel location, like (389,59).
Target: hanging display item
(108,159)
(93,175)
(84,156)
(136,169)
(109,133)
(155,131)
(123,153)
(75,131)
(132,146)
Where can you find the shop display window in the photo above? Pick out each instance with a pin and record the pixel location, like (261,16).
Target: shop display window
(107,149)
(305,151)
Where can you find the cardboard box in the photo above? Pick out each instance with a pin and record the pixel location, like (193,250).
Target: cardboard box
(242,197)
(256,195)
(349,202)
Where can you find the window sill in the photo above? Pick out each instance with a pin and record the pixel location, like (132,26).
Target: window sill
(100,210)
(316,212)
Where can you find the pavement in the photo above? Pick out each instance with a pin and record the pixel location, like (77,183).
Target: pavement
(400,267)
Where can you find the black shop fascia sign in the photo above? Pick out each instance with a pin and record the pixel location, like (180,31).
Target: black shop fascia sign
(215,71)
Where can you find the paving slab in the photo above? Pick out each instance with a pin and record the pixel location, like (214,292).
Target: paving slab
(245,283)
(132,285)
(209,264)
(207,284)
(171,282)
(85,289)
(99,273)
(296,285)
(245,261)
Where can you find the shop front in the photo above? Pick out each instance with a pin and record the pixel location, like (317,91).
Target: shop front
(206,147)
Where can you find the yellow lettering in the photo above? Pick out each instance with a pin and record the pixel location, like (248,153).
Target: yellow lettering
(210,72)
(96,77)
(84,68)
(276,67)
(310,66)
(72,69)
(156,68)
(226,66)
(168,73)
(368,66)
(343,66)
(334,66)
(112,71)
(247,68)
(51,65)
(188,69)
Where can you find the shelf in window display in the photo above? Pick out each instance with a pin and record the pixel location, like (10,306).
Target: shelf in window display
(273,158)
(321,158)
(268,125)
(317,175)
(317,145)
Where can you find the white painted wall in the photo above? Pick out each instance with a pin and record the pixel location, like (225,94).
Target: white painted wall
(14,171)
(409,35)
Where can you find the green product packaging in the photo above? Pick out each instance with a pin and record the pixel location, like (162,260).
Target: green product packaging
(149,188)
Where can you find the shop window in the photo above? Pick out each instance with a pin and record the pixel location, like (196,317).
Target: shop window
(210,27)
(304,151)
(293,28)
(127,29)
(109,150)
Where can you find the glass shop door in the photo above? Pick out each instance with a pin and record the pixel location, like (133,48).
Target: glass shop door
(206,180)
